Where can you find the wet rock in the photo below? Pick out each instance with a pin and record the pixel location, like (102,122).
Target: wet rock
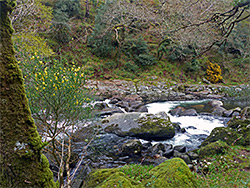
(215,103)
(227,113)
(100,106)
(183,156)
(147,145)
(131,148)
(109,111)
(181,149)
(177,111)
(158,147)
(168,153)
(141,109)
(218,111)
(192,155)
(114,100)
(189,112)
(235,114)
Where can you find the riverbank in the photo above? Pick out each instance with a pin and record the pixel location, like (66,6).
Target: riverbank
(110,150)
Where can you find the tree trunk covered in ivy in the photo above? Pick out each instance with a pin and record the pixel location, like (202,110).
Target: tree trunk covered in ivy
(21,161)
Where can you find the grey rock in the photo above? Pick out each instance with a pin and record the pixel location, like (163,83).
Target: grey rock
(181,149)
(189,112)
(131,148)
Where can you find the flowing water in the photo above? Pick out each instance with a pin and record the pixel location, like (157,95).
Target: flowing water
(197,127)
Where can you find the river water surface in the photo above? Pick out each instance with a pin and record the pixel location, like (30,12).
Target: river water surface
(197,127)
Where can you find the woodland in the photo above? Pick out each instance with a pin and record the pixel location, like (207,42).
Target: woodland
(51,49)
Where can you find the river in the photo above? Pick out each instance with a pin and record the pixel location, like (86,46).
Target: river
(197,127)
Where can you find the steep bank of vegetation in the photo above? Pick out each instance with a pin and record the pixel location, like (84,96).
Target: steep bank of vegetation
(140,39)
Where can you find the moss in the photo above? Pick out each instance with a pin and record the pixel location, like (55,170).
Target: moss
(21,160)
(119,179)
(171,173)
(225,134)
(154,128)
(242,127)
(218,147)
(98,176)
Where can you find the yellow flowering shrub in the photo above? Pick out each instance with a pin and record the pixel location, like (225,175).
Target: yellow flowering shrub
(213,72)
(57,88)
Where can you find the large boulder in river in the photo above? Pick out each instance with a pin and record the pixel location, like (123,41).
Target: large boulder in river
(145,126)
(181,111)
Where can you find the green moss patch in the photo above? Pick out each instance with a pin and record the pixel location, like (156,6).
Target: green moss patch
(213,148)
(171,173)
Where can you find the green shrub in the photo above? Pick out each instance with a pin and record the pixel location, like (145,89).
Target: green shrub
(131,67)
(100,40)
(145,60)
(55,90)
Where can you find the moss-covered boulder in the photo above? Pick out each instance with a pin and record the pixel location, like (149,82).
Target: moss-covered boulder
(171,173)
(218,147)
(243,128)
(148,127)
(226,134)
(103,178)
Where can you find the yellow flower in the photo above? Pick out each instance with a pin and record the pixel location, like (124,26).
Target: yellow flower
(62,81)
(35,53)
(54,94)
(36,75)
(75,74)
(43,88)
(41,62)
(77,102)
(56,78)
(33,57)
(37,88)
(43,83)
(82,75)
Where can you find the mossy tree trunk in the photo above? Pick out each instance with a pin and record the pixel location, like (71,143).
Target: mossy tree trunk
(21,161)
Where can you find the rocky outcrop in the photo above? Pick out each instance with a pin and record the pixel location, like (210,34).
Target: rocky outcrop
(148,127)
